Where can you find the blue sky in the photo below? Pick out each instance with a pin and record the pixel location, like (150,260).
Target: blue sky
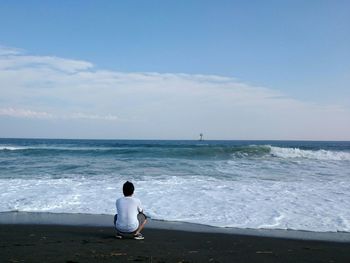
(297,50)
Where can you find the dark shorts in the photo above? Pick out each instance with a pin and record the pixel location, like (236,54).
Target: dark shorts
(141,217)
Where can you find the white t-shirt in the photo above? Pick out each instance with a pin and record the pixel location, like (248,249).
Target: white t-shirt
(127,209)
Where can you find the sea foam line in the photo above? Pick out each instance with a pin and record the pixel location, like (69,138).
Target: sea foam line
(11,148)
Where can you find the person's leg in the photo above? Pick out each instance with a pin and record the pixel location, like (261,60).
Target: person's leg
(142,222)
(118,235)
(115,220)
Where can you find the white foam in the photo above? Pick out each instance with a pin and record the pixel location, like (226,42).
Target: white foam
(301,204)
(318,155)
(10,148)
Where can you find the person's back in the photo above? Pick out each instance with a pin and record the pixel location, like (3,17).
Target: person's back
(127,209)
(129,219)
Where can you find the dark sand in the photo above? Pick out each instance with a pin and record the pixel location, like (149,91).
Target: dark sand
(57,243)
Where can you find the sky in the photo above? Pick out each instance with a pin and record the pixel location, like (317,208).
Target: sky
(259,70)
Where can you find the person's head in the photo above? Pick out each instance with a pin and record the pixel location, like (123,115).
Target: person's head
(128,188)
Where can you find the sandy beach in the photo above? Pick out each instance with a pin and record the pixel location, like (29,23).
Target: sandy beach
(21,241)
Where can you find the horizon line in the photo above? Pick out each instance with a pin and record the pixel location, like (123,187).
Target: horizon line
(204,140)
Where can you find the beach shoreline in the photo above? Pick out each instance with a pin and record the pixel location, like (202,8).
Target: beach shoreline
(103,220)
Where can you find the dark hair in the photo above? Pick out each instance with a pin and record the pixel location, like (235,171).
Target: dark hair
(128,188)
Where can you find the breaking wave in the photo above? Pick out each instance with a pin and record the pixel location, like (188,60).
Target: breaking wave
(309,154)
(186,151)
(10,148)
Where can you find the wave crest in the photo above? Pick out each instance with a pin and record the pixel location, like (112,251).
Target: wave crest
(309,154)
(10,148)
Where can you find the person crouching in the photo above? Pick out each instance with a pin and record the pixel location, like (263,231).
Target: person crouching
(130,219)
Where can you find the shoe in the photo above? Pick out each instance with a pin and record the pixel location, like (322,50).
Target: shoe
(118,236)
(139,236)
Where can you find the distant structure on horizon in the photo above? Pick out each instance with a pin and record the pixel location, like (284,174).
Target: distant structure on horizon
(201,136)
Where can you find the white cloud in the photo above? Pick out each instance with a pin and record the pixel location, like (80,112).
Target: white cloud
(21,113)
(156,105)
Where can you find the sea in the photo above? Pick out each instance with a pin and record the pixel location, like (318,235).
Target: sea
(301,185)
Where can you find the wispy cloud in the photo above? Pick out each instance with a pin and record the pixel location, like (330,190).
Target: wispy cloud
(30,114)
(21,113)
(171,105)
(9,51)
(13,59)
(79,115)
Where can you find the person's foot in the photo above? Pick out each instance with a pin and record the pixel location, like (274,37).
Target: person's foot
(119,236)
(138,236)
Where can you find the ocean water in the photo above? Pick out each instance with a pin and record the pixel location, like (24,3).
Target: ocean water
(246,184)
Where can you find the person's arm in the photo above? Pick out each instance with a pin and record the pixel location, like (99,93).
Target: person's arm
(139,207)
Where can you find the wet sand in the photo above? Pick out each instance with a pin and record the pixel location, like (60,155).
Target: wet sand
(63,243)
